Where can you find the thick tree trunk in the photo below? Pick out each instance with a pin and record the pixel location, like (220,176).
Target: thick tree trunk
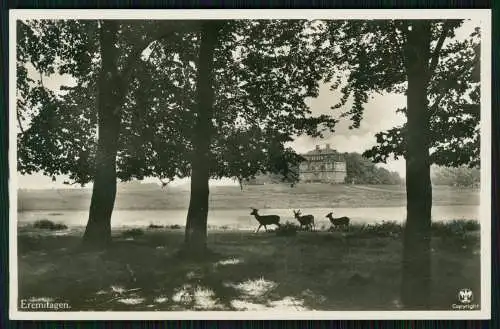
(98,230)
(195,242)
(416,267)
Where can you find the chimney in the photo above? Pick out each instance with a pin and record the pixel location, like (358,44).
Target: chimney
(327,146)
(317,147)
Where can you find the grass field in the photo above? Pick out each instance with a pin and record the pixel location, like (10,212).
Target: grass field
(261,196)
(354,270)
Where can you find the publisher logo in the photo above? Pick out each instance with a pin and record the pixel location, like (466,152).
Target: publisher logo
(465,298)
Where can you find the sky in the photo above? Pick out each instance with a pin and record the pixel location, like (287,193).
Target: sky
(380,114)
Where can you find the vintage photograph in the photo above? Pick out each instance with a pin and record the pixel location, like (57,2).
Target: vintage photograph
(250,164)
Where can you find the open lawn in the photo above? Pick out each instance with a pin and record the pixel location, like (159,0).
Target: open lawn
(277,196)
(354,270)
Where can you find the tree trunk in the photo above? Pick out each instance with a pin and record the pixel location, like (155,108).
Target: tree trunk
(98,230)
(195,241)
(416,267)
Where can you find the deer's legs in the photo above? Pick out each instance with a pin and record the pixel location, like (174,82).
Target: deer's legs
(258,228)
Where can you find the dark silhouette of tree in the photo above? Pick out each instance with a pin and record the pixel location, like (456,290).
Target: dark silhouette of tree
(196,224)
(418,58)
(252,81)
(107,51)
(160,125)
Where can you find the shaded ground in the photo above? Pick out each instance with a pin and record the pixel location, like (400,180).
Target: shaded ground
(356,270)
(279,196)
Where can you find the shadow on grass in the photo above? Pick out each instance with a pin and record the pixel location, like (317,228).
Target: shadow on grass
(307,271)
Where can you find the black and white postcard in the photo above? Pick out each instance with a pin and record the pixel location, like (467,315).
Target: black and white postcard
(250,164)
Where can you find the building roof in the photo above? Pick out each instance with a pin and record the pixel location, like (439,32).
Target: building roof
(325,151)
(322,151)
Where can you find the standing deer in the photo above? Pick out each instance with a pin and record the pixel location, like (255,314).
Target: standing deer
(306,220)
(265,220)
(338,222)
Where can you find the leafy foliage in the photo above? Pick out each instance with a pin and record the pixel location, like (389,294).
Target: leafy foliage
(61,138)
(376,65)
(265,70)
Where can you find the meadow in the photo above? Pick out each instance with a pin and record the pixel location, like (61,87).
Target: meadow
(277,196)
(358,269)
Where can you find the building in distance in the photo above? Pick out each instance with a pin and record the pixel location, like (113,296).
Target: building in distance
(320,166)
(323,166)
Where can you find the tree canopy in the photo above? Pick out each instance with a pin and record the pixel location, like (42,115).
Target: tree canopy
(439,77)
(373,54)
(265,70)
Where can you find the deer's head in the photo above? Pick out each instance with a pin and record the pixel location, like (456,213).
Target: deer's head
(254,211)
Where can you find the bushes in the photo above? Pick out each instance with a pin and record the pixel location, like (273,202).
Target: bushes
(173,227)
(378,229)
(133,233)
(455,227)
(45,224)
(287,229)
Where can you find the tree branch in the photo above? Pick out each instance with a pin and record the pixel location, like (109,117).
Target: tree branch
(394,39)
(439,46)
(19,122)
(135,55)
(171,27)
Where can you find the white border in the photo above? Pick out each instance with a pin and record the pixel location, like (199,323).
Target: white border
(484,15)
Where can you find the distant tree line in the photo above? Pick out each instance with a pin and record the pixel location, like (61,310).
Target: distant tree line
(462,176)
(361,170)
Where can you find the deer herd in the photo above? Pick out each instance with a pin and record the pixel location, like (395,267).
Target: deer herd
(305,221)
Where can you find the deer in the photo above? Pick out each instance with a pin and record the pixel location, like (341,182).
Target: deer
(306,220)
(265,220)
(338,222)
